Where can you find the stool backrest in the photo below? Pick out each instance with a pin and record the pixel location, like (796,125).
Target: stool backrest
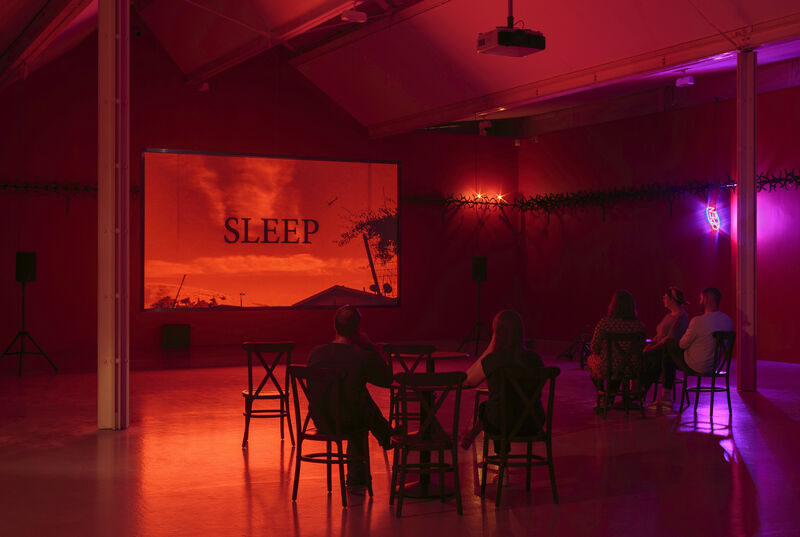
(409,356)
(431,390)
(723,351)
(320,387)
(521,389)
(283,352)
(628,346)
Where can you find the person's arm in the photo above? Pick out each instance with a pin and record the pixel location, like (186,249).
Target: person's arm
(678,327)
(689,336)
(668,330)
(475,374)
(597,338)
(536,360)
(377,369)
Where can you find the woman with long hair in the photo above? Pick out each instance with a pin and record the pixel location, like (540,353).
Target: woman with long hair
(505,350)
(620,319)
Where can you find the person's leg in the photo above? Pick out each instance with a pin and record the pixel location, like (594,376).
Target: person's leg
(477,427)
(357,446)
(651,367)
(377,424)
(673,360)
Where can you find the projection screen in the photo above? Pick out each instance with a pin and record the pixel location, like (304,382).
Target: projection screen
(227,231)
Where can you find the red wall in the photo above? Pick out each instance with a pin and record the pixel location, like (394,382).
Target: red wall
(261,107)
(560,273)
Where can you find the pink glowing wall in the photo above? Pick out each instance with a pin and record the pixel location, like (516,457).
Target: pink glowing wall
(646,246)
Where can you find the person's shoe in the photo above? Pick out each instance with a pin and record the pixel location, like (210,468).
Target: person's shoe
(355,481)
(665,405)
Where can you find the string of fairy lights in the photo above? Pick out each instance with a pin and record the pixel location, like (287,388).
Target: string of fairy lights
(788,179)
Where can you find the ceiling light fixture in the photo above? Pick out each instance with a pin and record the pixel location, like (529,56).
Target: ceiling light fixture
(684,81)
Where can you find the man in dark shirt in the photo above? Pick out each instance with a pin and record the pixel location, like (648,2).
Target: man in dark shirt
(352,352)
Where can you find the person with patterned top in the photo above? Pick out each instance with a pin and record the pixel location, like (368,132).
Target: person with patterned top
(621,319)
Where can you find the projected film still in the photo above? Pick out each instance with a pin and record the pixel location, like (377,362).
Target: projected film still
(232,232)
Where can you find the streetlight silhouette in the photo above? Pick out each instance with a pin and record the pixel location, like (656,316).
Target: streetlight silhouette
(241,303)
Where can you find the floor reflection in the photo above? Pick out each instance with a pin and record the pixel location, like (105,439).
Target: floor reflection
(180,469)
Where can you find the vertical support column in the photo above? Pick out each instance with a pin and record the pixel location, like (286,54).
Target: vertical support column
(746,220)
(113,201)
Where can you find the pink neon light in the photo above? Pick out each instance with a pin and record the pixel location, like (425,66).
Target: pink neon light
(713,218)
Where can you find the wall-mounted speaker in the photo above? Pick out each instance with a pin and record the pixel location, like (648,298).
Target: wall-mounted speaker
(175,336)
(479,269)
(26,267)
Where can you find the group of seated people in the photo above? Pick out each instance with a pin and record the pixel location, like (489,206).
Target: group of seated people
(678,343)
(352,351)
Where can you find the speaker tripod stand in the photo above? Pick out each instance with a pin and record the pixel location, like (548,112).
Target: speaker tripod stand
(22,336)
(474,333)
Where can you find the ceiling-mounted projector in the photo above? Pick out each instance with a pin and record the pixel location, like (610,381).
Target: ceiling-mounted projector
(510,41)
(505,41)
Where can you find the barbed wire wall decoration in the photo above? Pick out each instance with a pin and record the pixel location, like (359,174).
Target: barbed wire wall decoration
(787,179)
(70,189)
(585,199)
(784,180)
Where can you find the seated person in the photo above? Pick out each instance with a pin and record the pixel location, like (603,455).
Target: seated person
(621,319)
(694,352)
(672,326)
(505,350)
(352,351)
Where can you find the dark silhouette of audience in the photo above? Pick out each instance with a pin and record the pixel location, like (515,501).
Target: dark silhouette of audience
(506,350)
(352,351)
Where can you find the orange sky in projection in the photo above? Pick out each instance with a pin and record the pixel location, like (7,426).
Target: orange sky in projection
(188,198)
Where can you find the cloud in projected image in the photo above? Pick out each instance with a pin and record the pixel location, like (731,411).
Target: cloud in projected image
(254,264)
(229,186)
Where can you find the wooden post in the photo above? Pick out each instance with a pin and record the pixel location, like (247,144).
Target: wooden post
(113,200)
(746,220)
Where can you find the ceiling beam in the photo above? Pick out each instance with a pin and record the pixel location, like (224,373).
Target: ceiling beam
(771,77)
(48,23)
(593,77)
(287,31)
(402,14)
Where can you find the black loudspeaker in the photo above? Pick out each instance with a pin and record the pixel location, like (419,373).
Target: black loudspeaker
(479,269)
(26,266)
(175,336)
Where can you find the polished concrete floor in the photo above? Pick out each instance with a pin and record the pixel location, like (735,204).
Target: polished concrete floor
(180,470)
